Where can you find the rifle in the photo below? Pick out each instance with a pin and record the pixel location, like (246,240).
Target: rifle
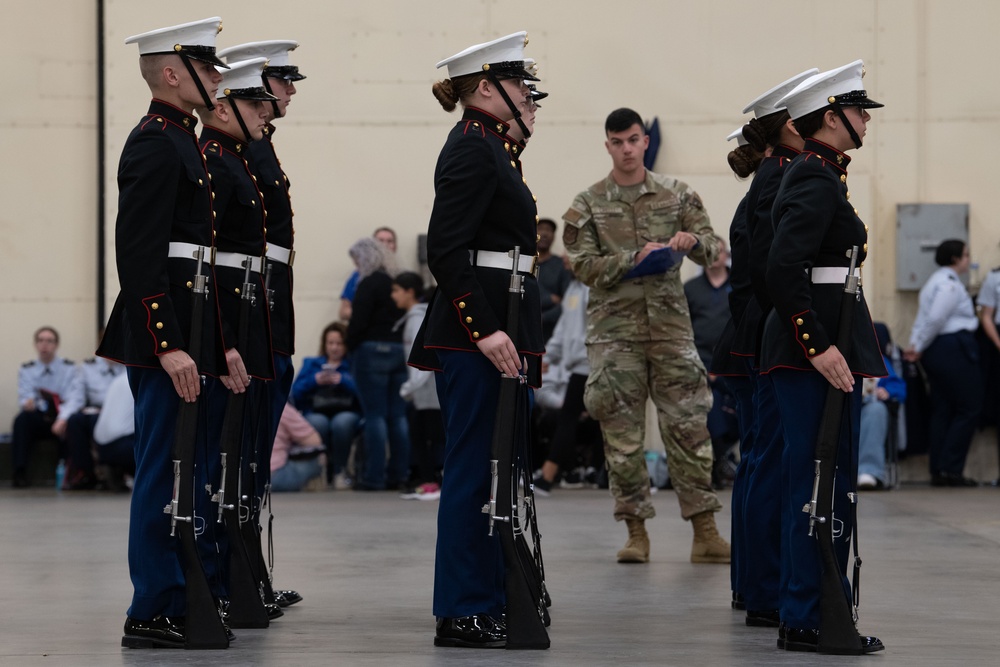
(203,626)
(246,608)
(523,584)
(838,616)
(250,527)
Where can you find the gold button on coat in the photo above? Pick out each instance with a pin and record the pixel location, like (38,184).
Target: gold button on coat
(155,306)
(468,320)
(475,334)
(812,351)
(799,321)
(159,325)
(843,178)
(805,336)
(461,304)
(865,247)
(163,345)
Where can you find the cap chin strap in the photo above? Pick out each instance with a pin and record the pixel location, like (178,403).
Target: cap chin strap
(239,118)
(274,103)
(510,104)
(850,128)
(209,103)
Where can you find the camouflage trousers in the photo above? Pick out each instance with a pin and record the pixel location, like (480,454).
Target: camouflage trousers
(622,376)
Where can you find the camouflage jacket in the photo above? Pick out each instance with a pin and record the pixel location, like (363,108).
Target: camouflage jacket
(604,233)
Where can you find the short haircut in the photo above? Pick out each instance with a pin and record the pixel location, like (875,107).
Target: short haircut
(51,330)
(622,119)
(550,222)
(949,252)
(409,280)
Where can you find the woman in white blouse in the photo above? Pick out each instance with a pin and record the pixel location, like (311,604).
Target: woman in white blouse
(943,340)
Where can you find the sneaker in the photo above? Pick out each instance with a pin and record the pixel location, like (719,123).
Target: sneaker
(341,482)
(867,482)
(572,479)
(541,486)
(428,491)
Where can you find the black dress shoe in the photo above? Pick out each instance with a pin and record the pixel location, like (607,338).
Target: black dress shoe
(738,602)
(782,628)
(763,619)
(273,611)
(286,598)
(161,632)
(808,640)
(479,631)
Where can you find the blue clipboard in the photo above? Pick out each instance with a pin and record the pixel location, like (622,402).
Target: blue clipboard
(656,263)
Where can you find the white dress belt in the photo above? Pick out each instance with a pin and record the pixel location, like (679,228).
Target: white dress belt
(492,259)
(279,254)
(236,260)
(831,274)
(181,250)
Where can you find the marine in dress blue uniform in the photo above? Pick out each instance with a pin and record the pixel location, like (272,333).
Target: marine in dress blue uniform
(164,215)
(240,220)
(483,208)
(756,504)
(815,229)
(279,79)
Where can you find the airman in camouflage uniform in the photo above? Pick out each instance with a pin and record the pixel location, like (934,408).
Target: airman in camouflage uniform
(639,338)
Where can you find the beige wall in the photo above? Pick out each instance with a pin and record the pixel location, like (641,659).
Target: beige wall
(363,133)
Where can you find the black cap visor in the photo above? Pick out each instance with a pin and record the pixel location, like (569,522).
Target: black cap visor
(858,98)
(258,94)
(286,72)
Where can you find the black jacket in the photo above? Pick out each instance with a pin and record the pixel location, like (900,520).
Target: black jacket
(239,227)
(815,226)
(164,196)
(723,359)
(481,202)
(273,185)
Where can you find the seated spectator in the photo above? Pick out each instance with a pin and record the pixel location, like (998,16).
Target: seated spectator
(376,347)
(114,435)
(97,374)
(708,301)
(297,455)
(553,277)
(325,393)
(875,416)
(420,392)
(49,390)
(387,237)
(565,350)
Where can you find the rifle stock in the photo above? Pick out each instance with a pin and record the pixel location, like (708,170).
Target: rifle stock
(526,612)
(837,631)
(203,626)
(246,608)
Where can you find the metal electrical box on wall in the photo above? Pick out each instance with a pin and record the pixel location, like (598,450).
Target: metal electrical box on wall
(920,228)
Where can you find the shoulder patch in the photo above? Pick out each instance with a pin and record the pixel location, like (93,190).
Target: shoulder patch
(572,216)
(90,360)
(68,362)
(28,364)
(696,202)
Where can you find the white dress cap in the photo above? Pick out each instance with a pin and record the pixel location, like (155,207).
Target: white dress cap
(504,57)
(842,85)
(737,134)
(243,81)
(277,51)
(194,40)
(765,104)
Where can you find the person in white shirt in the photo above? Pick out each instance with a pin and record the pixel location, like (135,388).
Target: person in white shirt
(943,340)
(989,320)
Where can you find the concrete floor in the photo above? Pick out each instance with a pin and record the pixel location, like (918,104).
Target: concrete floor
(364,564)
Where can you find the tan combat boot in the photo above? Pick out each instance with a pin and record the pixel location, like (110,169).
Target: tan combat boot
(637,548)
(708,546)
